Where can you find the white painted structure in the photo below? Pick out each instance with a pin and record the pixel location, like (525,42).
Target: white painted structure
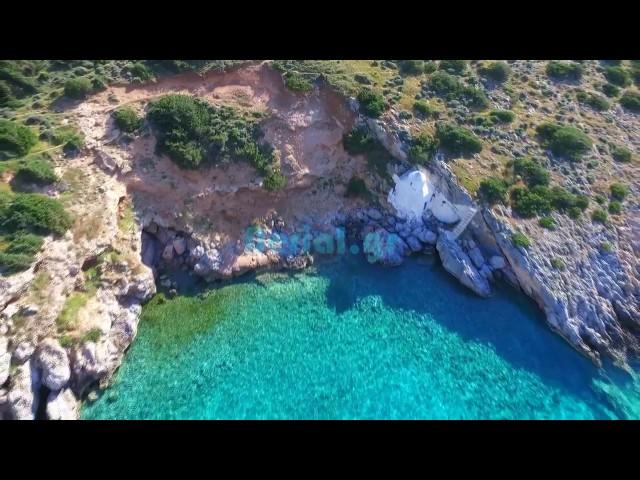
(414,194)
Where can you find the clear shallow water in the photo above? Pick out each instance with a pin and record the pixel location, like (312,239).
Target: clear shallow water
(349,340)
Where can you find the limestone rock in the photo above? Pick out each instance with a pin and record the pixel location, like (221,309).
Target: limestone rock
(23,398)
(63,405)
(53,362)
(5,360)
(497,262)
(458,263)
(384,247)
(23,352)
(179,245)
(476,257)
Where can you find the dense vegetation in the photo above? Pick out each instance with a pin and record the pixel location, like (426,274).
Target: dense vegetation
(564,140)
(423,147)
(449,87)
(297,83)
(597,102)
(126,119)
(78,87)
(371,102)
(16,140)
(35,170)
(497,71)
(458,140)
(493,190)
(617,76)
(564,70)
(631,101)
(192,132)
(360,141)
(455,67)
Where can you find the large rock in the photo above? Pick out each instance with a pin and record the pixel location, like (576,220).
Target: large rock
(23,396)
(426,236)
(63,405)
(384,247)
(497,262)
(458,264)
(179,245)
(53,362)
(208,263)
(167,253)
(5,360)
(476,257)
(23,352)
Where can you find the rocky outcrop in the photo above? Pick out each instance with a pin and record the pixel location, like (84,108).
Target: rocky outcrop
(457,263)
(53,363)
(23,394)
(63,405)
(385,248)
(5,360)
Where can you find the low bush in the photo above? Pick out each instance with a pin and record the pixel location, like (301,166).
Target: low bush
(615,207)
(610,90)
(606,247)
(297,83)
(359,141)
(16,140)
(631,101)
(496,71)
(371,102)
(564,140)
(5,93)
(599,215)
(564,70)
(502,116)
(126,119)
(69,136)
(78,87)
(531,171)
(423,147)
(139,72)
(35,212)
(411,67)
(493,190)
(547,222)
(458,140)
(617,76)
(558,263)
(36,170)
(519,239)
(14,263)
(444,84)
(621,154)
(425,109)
(23,243)
(531,202)
(274,180)
(455,67)
(473,98)
(597,102)
(618,191)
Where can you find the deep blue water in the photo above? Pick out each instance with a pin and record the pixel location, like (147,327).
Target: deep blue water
(349,340)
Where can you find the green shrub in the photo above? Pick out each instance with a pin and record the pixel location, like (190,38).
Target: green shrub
(23,243)
(16,140)
(615,207)
(191,131)
(473,97)
(631,101)
(444,84)
(493,190)
(458,140)
(456,67)
(425,109)
(126,119)
(599,215)
(496,71)
(371,103)
(547,222)
(274,180)
(429,66)
(597,102)
(77,88)
(574,213)
(617,76)
(358,141)
(519,239)
(423,147)
(620,154)
(558,263)
(5,93)
(92,335)
(531,202)
(140,72)
(35,212)
(36,170)
(502,116)
(531,172)
(69,136)
(357,188)
(606,247)
(297,83)
(610,90)
(618,191)
(564,140)
(14,263)
(411,67)
(564,70)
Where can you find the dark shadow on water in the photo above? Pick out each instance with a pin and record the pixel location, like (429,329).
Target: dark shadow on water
(509,322)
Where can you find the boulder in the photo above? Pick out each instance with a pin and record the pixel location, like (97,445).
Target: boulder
(23,398)
(167,253)
(427,236)
(63,405)
(458,263)
(374,214)
(208,263)
(414,244)
(476,256)
(53,362)
(384,247)
(23,352)
(497,262)
(5,360)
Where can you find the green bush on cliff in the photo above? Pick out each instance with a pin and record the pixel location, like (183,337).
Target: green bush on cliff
(371,102)
(621,154)
(297,83)
(357,188)
(496,71)
(531,202)
(423,147)
(559,70)
(36,170)
(454,67)
(617,76)
(502,116)
(16,140)
(34,212)
(618,191)
(564,140)
(599,215)
(126,119)
(493,190)
(78,87)
(631,101)
(458,140)
(531,172)
(519,239)
(597,102)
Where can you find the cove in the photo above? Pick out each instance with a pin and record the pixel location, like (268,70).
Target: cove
(349,340)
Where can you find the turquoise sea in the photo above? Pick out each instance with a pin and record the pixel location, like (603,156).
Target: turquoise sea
(349,340)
